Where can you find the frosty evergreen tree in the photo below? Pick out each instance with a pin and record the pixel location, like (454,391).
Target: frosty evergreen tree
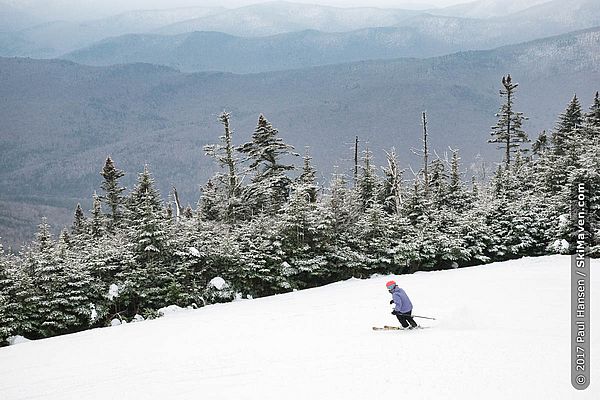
(211,202)
(438,183)
(270,185)
(112,191)
(19,314)
(457,198)
(8,323)
(368,184)
(593,116)
(392,184)
(79,222)
(146,277)
(97,221)
(47,273)
(508,132)
(144,195)
(306,182)
(569,122)
(339,204)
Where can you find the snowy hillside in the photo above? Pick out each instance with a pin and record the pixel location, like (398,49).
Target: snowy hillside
(502,332)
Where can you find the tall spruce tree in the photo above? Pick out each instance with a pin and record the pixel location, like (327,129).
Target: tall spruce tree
(147,277)
(8,323)
(113,192)
(47,273)
(79,222)
(457,198)
(593,116)
(569,124)
(438,183)
(18,298)
(306,182)
(508,133)
(392,184)
(97,220)
(270,185)
(368,182)
(144,193)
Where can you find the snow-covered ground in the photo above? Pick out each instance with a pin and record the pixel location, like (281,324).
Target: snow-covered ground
(502,333)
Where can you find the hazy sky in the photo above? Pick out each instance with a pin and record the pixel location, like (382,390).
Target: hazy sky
(70,9)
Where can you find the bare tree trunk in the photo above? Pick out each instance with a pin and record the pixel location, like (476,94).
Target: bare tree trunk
(356,161)
(425,153)
(178,209)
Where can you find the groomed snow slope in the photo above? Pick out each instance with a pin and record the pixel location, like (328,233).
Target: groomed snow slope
(502,333)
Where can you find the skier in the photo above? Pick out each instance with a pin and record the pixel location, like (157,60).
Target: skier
(403,308)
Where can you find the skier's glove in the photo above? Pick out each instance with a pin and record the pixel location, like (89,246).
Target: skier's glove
(394,312)
(391,301)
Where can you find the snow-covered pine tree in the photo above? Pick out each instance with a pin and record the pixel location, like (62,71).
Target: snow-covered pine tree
(592,117)
(474,232)
(79,221)
(147,277)
(47,273)
(416,204)
(270,186)
(508,133)
(339,204)
(306,183)
(72,304)
(368,185)
(211,202)
(8,322)
(143,194)
(113,192)
(438,183)
(97,223)
(260,267)
(392,191)
(305,237)
(371,237)
(337,214)
(567,127)
(457,198)
(19,314)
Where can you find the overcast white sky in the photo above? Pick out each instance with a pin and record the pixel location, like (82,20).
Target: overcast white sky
(89,8)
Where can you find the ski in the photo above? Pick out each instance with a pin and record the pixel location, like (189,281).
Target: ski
(387,328)
(396,328)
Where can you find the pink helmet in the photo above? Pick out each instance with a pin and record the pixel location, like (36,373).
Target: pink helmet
(390,284)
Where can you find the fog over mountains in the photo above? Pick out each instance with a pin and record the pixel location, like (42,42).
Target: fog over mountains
(320,74)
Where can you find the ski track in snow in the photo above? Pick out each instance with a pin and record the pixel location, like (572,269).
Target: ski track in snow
(503,331)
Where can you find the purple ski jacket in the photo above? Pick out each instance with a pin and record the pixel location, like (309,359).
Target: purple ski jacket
(401,300)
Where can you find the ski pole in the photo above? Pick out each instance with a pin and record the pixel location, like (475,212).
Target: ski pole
(418,316)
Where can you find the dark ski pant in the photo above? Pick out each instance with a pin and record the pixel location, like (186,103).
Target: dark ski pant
(406,319)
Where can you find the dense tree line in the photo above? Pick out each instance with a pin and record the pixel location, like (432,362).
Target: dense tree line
(266,226)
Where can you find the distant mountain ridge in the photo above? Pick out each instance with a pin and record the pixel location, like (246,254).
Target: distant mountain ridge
(60,119)
(53,38)
(487,8)
(420,36)
(426,33)
(215,51)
